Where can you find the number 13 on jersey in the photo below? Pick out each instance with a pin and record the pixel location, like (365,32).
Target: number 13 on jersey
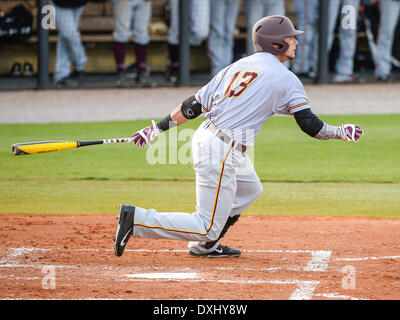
(236,90)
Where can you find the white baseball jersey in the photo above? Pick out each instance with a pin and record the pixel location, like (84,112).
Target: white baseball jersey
(241,97)
(238,99)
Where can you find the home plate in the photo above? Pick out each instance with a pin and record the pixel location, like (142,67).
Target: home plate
(164,275)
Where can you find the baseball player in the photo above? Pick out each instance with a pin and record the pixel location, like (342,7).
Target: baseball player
(236,103)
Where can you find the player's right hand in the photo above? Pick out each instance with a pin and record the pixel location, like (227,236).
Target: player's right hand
(142,138)
(351,132)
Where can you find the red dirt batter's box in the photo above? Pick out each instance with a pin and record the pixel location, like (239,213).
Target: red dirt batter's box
(283,258)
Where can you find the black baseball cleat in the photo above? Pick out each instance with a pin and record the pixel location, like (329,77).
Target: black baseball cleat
(219,252)
(124,228)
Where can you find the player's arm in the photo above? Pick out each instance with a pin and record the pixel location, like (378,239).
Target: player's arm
(187,110)
(315,127)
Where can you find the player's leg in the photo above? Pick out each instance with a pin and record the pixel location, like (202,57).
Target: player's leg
(389,15)
(307,21)
(231,13)
(69,45)
(141,21)
(78,52)
(216,38)
(312,57)
(215,191)
(333,9)
(173,31)
(248,189)
(63,64)
(254,12)
(273,7)
(347,41)
(299,65)
(173,43)
(199,21)
(122,24)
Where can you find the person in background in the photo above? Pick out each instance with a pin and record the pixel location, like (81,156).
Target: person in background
(69,45)
(255,10)
(127,12)
(223,15)
(389,16)
(347,31)
(199,30)
(305,64)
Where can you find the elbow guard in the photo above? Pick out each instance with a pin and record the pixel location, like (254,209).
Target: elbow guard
(191,108)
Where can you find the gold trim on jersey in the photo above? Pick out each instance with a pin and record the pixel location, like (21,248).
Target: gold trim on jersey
(299,105)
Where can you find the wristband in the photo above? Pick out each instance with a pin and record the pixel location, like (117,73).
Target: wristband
(166,123)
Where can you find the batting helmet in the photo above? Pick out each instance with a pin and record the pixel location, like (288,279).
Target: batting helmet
(272,30)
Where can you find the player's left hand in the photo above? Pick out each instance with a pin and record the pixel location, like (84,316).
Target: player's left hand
(142,138)
(351,132)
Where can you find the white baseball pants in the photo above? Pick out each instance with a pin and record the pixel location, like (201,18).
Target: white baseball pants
(199,22)
(226,184)
(128,12)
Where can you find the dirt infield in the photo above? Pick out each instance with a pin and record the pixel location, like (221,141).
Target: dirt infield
(71,257)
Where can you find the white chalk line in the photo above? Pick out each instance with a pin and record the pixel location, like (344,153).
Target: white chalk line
(337,296)
(304,291)
(368,258)
(177,250)
(318,263)
(319,257)
(319,260)
(15,253)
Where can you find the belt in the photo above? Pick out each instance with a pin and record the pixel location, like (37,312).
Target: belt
(224,137)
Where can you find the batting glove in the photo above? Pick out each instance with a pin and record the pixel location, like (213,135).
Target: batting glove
(351,132)
(143,137)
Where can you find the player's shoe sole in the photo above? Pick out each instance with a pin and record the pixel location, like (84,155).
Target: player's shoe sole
(220,252)
(124,228)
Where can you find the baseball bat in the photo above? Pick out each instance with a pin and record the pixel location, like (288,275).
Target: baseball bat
(52,146)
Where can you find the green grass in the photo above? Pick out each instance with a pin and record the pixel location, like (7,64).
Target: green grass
(278,198)
(301,175)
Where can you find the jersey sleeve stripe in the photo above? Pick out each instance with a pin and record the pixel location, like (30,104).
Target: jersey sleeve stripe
(299,105)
